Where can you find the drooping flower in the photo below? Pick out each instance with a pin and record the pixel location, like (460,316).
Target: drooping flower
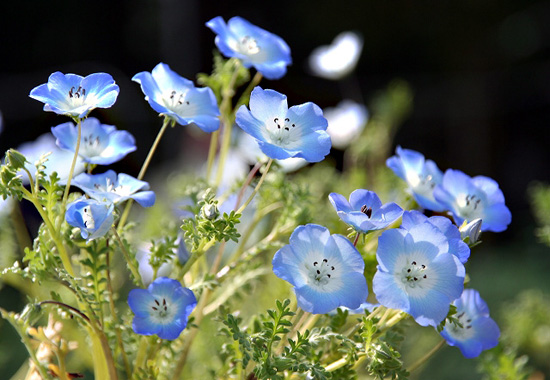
(417,274)
(177,98)
(478,332)
(345,122)
(471,198)
(74,95)
(364,211)
(114,188)
(456,246)
(94,218)
(57,160)
(99,143)
(282,132)
(421,175)
(162,309)
(339,58)
(254,46)
(326,270)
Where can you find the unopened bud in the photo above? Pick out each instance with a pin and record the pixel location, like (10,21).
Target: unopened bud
(469,232)
(210,211)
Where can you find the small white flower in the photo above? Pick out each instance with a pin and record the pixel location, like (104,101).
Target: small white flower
(345,122)
(339,58)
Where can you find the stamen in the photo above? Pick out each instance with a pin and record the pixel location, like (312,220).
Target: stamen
(366,210)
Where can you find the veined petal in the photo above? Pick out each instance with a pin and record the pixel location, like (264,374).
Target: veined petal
(140,302)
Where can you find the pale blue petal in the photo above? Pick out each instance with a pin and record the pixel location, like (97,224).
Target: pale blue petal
(431,309)
(140,301)
(145,326)
(496,218)
(314,146)
(391,245)
(339,202)
(266,105)
(490,188)
(361,197)
(145,198)
(171,331)
(388,292)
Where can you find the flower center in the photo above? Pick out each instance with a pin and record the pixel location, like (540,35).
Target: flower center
(249,46)
(470,206)
(77,96)
(160,308)
(111,187)
(88,218)
(321,272)
(281,131)
(465,330)
(366,210)
(423,185)
(176,101)
(91,146)
(413,274)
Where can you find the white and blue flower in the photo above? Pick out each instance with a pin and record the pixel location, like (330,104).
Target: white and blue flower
(471,198)
(282,132)
(74,95)
(421,175)
(99,143)
(479,331)
(162,309)
(364,211)
(115,188)
(254,46)
(326,270)
(456,245)
(177,98)
(94,218)
(417,274)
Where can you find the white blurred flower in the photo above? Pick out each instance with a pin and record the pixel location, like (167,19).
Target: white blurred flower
(249,149)
(145,269)
(59,160)
(345,122)
(338,59)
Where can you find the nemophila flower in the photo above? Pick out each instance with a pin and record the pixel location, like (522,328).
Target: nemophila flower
(58,160)
(326,270)
(345,122)
(417,274)
(364,211)
(471,198)
(115,188)
(94,218)
(74,95)
(177,98)
(254,46)
(282,132)
(162,309)
(421,175)
(478,332)
(339,58)
(99,143)
(456,246)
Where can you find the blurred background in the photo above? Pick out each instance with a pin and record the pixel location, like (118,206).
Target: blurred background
(479,72)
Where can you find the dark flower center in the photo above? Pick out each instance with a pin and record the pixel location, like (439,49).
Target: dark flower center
(366,210)
(160,308)
(321,271)
(79,92)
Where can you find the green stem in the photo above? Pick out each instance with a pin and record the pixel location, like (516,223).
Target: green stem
(246,94)
(212,153)
(241,209)
(71,172)
(129,261)
(143,170)
(428,355)
(141,354)
(196,255)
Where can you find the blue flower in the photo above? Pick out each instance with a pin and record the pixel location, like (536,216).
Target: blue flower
(115,189)
(471,198)
(421,175)
(479,332)
(364,211)
(99,143)
(326,270)
(254,46)
(282,132)
(456,245)
(94,218)
(417,274)
(76,96)
(177,98)
(162,309)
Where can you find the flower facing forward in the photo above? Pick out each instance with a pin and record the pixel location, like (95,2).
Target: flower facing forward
(471,198)
(99,143)
(94,218)
(162,309)
(74,95)
(254,46)
(282,132)
(456,245)
(364,211)
(478,332)
(177,98)
(326,270)
(421,175)
(417,274)
(115,188)
(339,58)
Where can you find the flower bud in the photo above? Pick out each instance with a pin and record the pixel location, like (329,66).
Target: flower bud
(17,160)
(470,232)
(210,211)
